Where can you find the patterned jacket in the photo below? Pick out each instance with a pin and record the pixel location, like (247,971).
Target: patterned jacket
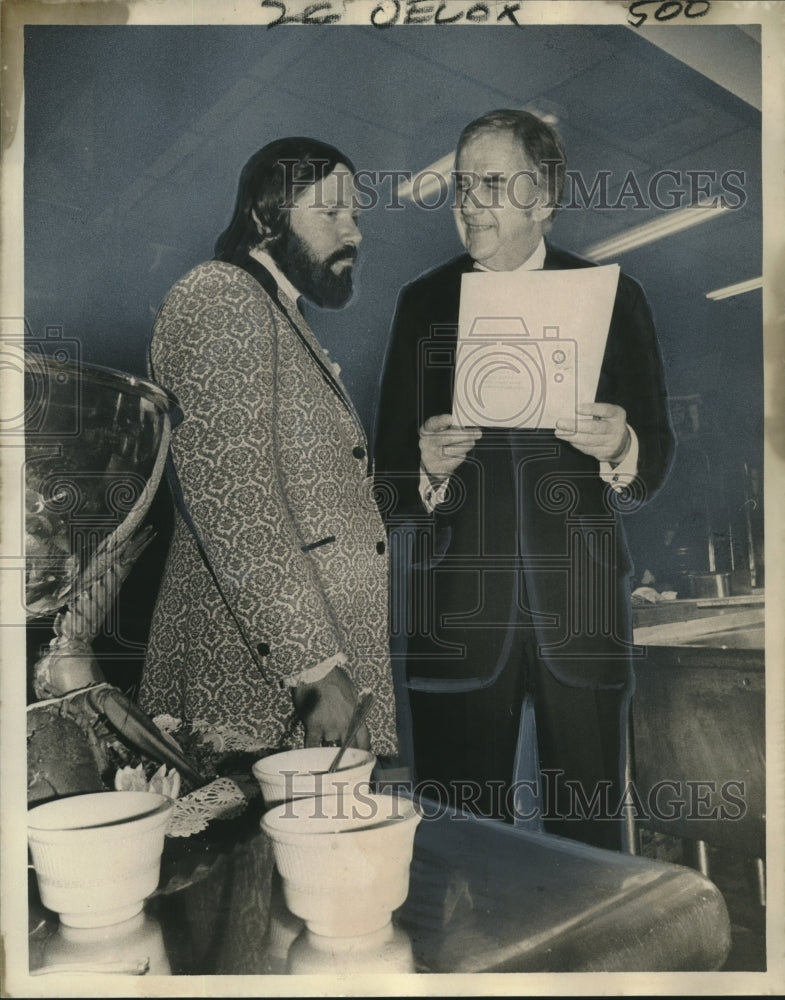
(278,560)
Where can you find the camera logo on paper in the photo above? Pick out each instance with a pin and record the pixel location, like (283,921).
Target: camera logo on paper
(505,377)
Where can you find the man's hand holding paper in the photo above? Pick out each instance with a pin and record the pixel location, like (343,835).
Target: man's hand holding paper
(443,446)
(600,430)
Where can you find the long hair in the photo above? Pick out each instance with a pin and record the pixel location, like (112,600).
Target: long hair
(268,183)
(537,139)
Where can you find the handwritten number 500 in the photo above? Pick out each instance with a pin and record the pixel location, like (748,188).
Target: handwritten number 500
(668,10)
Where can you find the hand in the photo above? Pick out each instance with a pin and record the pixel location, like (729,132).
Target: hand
(601,431)
(326,708)
(443,447)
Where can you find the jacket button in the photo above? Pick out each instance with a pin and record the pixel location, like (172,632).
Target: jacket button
(358,451)
(380,547)
(263,649)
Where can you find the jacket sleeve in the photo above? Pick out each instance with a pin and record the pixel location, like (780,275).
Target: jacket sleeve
(398,418)
(637,382)
(214,347)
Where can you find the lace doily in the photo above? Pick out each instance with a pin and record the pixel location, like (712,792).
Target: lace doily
(220,799)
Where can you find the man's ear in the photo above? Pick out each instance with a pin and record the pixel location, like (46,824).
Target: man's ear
(541,213)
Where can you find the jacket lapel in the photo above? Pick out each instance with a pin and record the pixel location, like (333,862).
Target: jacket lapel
(303,331)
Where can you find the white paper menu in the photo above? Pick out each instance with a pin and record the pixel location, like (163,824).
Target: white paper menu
(530,345)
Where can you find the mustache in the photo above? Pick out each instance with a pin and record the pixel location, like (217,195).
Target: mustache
(345,253)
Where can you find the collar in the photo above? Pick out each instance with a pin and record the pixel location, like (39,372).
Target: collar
(532,263)
(282,282)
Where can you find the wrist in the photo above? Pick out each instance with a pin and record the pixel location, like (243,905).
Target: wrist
(621,453)
(435,480)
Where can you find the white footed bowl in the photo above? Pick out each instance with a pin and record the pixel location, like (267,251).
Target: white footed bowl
(344,859)
(295,774)
(97,857)
(388,950)
(137,938)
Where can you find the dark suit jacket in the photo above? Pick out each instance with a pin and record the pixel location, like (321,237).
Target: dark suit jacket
(529,549)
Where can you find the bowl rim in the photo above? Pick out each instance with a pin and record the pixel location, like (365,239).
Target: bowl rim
(272,817)
(259,768)
(39,365)
(158,804)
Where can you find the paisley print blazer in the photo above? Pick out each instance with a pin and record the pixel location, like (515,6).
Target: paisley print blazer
(278,560)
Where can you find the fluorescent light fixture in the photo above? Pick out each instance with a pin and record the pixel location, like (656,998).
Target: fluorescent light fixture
(430,180)
(649,232)
(738,289)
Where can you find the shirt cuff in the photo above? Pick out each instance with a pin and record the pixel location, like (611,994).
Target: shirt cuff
(312,675)
(431,495)
(621,475)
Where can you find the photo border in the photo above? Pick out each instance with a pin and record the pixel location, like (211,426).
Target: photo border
(16,981)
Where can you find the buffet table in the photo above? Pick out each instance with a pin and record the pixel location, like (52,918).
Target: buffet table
(484,897)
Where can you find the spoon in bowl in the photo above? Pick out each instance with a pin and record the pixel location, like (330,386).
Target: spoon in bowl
(361,710)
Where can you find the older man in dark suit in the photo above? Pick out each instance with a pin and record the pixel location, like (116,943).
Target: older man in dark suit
(511,564)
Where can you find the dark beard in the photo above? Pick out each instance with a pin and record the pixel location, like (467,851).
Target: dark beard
(310,276)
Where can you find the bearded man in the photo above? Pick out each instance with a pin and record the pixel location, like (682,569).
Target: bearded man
(272,614)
